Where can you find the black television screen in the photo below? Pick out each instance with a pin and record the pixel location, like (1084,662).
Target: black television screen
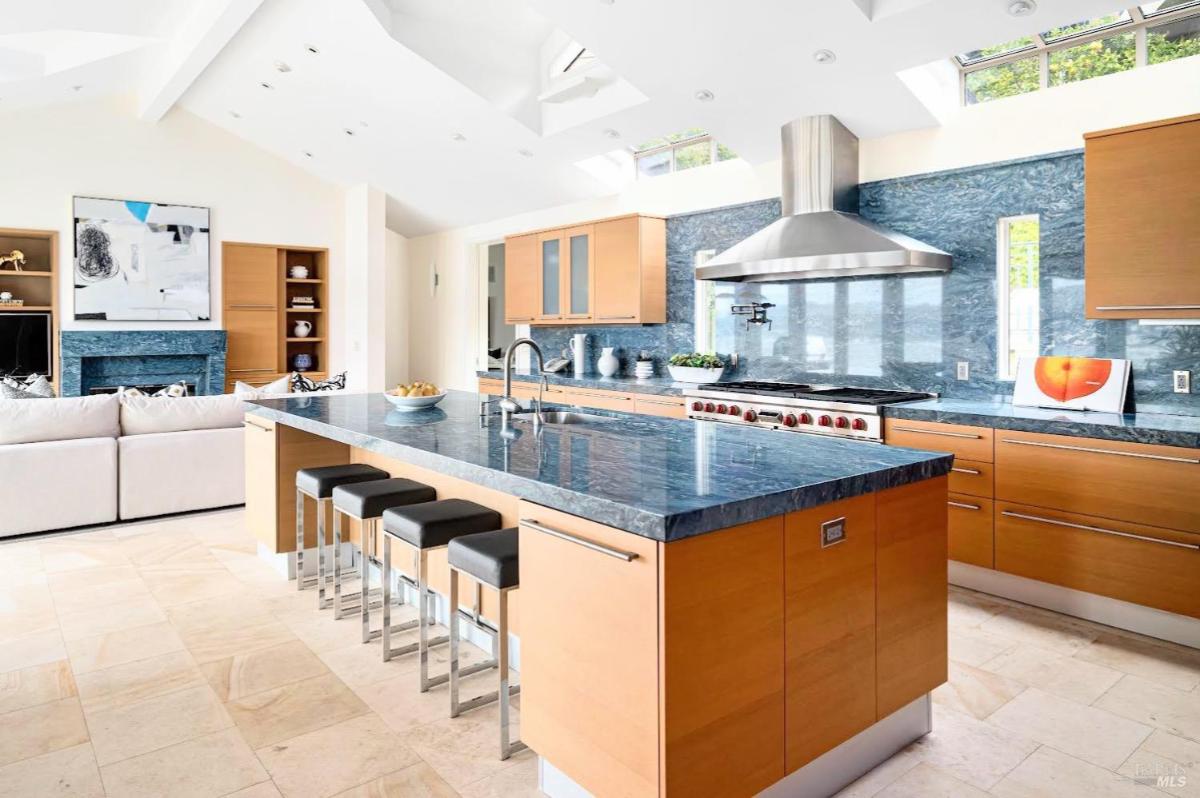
(24,343)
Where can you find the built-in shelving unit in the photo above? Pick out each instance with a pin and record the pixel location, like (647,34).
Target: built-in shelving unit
(259,311)
(36,283)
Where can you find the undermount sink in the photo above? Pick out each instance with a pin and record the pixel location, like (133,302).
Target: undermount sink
(566,417)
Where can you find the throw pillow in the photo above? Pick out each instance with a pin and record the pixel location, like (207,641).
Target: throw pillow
(302,384)
(40,386)
(123,391)
(9,391)
(174,391)
(280,386)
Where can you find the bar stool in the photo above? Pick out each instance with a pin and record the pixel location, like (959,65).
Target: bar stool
(318,484)
(365,503)
(491,559)
(424,528)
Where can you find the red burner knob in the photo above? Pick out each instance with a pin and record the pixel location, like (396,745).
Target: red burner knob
(805,418)
(825,421)
(734,410)
(750,415)
(722,409)
(708,407)
(842,422)
(859,424)
(697,406)
(789,420)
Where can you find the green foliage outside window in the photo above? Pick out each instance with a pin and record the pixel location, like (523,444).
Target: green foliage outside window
(1023,253)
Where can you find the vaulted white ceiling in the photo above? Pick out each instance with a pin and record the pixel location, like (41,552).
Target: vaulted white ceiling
(437,115)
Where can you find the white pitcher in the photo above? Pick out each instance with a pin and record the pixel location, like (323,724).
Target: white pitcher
(302,328)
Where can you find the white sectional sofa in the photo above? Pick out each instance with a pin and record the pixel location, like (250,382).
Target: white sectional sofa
(96,459)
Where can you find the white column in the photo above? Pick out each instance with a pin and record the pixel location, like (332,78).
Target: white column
(364,309)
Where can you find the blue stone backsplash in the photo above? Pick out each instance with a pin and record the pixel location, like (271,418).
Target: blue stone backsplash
(909,332)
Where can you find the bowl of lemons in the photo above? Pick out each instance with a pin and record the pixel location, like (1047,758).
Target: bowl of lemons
(415,395)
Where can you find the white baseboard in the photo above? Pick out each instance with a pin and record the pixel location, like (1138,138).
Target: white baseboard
(825,775)
(1089,606)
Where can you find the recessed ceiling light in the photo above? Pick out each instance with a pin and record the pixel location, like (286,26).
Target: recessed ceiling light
(609,133)
(824,56)
(458,137)
(266,85)
(1022,8)
(306,153)
(525,152)
(281,66)
(235,114)
(312,48)
(76,88)
(349,131)
(705,96)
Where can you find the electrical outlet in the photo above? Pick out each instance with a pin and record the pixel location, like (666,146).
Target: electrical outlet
(1182,381)
(963,370)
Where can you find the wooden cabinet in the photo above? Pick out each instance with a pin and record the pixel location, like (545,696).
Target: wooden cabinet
(589,673)
(521,279)
(972,477)
(646,404)
(666,406)
(830,640)
(582,397)
(969,530)
(253,343)
(1138,483)
(611,271)
(1141,564)
(250,277)
(968,443)
(1141,228)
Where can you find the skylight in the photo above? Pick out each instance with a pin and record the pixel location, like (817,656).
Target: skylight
(1150,33)
(678,151)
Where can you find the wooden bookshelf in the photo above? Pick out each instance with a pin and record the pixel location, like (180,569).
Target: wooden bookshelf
(259,317)
(36,283)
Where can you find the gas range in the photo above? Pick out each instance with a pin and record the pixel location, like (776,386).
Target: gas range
(817,409)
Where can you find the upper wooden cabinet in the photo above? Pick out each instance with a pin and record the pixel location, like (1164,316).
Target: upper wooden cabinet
(1142,221)
(612,271)
(250,277)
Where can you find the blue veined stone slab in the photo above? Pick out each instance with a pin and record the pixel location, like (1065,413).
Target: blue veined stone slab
(661,478)
(92,358)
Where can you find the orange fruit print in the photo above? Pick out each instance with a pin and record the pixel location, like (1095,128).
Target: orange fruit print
(1067,378)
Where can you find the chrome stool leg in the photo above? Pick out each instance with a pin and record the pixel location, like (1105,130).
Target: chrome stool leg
(323,570)
(422,609)
(302,581)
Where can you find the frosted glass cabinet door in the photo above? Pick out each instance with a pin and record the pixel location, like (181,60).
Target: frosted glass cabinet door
(551,277)
(579,271)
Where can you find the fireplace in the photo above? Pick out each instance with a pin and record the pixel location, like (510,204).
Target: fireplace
(99,361)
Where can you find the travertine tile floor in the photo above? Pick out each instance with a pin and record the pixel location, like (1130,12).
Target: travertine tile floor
(164,659)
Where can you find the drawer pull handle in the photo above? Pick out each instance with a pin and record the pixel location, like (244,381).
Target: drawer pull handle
(591,545)
(250,371)
(255,426)
(602,395)
(664,403)
(1148,307)
(935,432)
(616,318)
(964,505)
(1101,530)
(519,318)
(973,472)
(1189,460)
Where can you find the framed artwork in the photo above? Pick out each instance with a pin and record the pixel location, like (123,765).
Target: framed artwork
(1072,383)
(141,261)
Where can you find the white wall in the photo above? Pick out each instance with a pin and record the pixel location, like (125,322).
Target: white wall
(365,278)
(99,148)
(1038,123)
(397,288)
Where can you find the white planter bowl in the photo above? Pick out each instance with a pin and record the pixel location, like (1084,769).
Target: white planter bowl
(691,374)
(409,403)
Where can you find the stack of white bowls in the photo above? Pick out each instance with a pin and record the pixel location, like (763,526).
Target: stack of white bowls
(643,369)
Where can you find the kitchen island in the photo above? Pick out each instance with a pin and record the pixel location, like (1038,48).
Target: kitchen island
(744,604)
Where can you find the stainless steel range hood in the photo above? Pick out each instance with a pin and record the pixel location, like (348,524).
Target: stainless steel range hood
(820,235)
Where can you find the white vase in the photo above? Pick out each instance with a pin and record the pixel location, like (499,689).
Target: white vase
(302,329)
(608,364)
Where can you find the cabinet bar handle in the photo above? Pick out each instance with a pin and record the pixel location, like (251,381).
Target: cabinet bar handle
(970,471)
(1147,307)
(1101,530)
(255,426)
(616,318)
(1189,460)
(964,505)
(627,556)
(666,402)
(250,371)
(936,432)
(253,307)
(600,395)
(519,318)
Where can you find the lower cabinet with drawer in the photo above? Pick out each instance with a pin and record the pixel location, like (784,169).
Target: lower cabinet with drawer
(1141,564)
(969,530)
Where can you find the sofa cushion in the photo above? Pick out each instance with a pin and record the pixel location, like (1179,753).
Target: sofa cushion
(96,416)
(145,415)
(57,485)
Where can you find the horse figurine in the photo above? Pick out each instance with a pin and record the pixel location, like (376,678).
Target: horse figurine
(16,258)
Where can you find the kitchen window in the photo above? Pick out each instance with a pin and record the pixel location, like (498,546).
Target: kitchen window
(1150,33)
(679,151)
(1017,281)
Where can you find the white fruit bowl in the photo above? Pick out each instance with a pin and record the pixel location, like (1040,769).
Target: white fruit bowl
(695,375)
(414,402)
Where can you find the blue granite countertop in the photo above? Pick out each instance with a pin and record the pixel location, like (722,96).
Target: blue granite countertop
(1158,428)
(661,478)
(662,386)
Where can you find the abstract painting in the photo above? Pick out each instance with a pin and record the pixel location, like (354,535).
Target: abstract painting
(141,261)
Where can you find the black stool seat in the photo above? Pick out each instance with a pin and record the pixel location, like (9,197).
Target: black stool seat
(370,499)
(490,557)
(433,524)
(320,482)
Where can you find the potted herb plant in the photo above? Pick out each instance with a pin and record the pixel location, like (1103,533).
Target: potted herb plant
(695,367)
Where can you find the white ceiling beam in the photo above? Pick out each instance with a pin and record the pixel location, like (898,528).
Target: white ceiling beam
(181,60)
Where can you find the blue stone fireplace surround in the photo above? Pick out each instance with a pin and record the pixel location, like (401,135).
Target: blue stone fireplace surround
(99,359)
